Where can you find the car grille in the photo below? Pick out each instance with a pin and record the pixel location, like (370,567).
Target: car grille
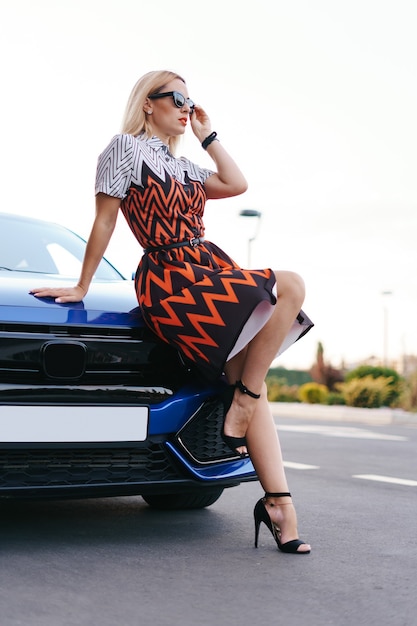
(76,355)
(201,438)
(84,466)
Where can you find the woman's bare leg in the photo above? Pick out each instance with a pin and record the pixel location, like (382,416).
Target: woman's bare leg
(253,363)
(253,418)
(266,456)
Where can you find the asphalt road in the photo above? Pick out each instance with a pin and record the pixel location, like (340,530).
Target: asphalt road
(117,562)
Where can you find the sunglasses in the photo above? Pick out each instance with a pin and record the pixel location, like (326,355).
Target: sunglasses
(178,98)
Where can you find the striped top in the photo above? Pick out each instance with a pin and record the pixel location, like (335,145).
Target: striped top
(122,163)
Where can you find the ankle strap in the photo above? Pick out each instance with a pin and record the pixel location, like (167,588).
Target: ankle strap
(277,495)
(243,389)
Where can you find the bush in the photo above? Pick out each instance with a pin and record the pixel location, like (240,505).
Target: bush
(408,397)
(335,398)
(280,391)
(367,392)
(394,380)
(313,393)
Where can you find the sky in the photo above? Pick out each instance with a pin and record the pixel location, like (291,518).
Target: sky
(315,99)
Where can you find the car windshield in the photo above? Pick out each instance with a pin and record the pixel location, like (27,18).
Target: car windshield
(41,247)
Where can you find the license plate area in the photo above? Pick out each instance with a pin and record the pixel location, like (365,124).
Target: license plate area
(73,423)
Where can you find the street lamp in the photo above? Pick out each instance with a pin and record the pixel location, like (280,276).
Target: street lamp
(251,213)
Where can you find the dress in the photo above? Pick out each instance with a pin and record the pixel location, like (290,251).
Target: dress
(194,298)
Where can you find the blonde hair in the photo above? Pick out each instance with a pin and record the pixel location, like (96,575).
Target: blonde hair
(135,120)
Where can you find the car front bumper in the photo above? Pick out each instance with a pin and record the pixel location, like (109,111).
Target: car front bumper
(181,451)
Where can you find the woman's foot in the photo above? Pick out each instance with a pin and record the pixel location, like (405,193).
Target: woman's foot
(283,516)
(238,417)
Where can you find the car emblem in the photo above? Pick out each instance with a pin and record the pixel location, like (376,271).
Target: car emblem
(64,360)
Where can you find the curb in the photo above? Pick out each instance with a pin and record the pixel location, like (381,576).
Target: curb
(338,413)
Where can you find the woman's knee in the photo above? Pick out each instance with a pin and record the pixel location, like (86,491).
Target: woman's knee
(291,285)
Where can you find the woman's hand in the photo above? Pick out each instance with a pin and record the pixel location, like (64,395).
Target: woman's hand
(60,294)
(228,181)
(200,123)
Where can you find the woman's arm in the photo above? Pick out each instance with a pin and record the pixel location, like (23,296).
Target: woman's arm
(228,180)
(106,215)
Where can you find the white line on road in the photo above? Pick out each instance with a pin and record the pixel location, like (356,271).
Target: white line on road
(300,466)
(340,431)
(387,479)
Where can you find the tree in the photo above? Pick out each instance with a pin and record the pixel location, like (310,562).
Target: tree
(324,373)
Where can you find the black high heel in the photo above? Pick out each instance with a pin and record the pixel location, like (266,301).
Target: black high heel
(261,515)
(235,442)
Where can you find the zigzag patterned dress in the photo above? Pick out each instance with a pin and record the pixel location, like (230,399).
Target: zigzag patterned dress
(194,298)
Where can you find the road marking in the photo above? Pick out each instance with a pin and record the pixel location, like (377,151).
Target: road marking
(300,466)
(340,431)
(387,479)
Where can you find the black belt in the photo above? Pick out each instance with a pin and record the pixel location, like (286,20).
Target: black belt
(193,242)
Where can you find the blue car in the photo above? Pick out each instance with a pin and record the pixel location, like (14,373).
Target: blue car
(91,402)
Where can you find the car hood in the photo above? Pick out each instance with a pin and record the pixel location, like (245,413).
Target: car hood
(108,303)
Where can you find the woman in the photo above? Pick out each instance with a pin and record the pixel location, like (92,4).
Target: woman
(192,294)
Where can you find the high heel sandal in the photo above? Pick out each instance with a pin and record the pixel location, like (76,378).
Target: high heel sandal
(235,442)
(261,515)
